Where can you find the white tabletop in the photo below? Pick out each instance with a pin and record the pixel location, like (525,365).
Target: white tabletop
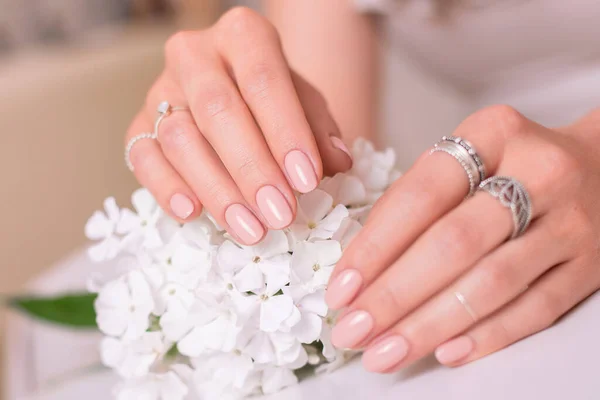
(49,363)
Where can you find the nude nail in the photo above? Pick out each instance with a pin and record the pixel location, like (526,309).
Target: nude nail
(244,224)
(343,289)
(181,205)
(454,350)
(274,207)
(300,171)
(385,354)
(340,145)
(352,329)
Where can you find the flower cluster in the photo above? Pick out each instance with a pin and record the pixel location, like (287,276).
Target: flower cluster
(189,313)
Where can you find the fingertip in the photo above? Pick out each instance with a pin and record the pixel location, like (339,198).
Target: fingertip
(184,207)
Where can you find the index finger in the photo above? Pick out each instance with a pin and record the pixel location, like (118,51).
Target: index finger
(436,184)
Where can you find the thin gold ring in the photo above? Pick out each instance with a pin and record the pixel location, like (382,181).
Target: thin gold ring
(466,305)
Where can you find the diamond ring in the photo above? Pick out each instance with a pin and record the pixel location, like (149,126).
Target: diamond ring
(165,109)
(465,154)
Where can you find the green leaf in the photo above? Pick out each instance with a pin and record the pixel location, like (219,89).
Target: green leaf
(73,310)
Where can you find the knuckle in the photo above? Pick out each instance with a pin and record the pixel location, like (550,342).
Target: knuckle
(214,99)
(260,79)
(177,43)
(561,164)
(366,252)
(505,118)
(494,277)
(457,239)
(249,168)
(547,308)
(240,21)
(173,136)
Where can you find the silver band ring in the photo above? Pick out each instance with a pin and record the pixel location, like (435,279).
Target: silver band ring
(466,305)
(130,144)
(513,195)
(467,156)
(165,109)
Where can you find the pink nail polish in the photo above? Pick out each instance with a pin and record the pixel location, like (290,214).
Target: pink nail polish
(274,207)
(245,225)
(181,205)
(343,289)
(352,329)
(454,350)
(339,144)
(385,354)
(300,171)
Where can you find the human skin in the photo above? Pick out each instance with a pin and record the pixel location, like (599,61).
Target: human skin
(257,131)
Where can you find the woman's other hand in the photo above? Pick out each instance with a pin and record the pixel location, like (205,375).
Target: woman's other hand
(431,272)
(253,130)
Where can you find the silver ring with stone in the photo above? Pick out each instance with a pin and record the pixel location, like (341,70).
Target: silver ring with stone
(467,156)
(165,109)
(512,194)
(132,142)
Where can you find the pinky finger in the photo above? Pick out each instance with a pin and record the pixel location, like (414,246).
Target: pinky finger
(536,309)
(155,173)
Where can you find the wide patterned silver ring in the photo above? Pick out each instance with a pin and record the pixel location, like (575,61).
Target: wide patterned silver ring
(513,195)
(165,109)
(467,156)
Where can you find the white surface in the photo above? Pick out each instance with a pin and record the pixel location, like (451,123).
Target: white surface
(560,363)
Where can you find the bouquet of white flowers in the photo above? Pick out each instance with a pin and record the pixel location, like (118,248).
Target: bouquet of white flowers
(190,313)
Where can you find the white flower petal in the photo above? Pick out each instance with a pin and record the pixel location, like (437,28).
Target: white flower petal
(308,329)
(273,244)
(232,258)
(249,279)
(275,310)
(143,202)
(330,224)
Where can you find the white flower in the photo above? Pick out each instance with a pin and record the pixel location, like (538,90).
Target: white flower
(345,189)
(276,348)
(227,369)
(313,262)
(144,225)
(185,264)
(375,169)
(312,308)
(276,378)
(165,386)
(267,262)
(102,226)
(316,217)
(209,325)
(123,306)
(133,359)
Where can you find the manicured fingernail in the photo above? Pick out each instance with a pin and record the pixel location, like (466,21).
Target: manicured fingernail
(339,144)
(181,205)
(342,290)
(352,329)
(301,172)
(454,350)
(245,225)
(274,207)
(385,354)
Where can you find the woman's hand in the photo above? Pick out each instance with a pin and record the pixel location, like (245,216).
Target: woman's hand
(255,130)
(430,271)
